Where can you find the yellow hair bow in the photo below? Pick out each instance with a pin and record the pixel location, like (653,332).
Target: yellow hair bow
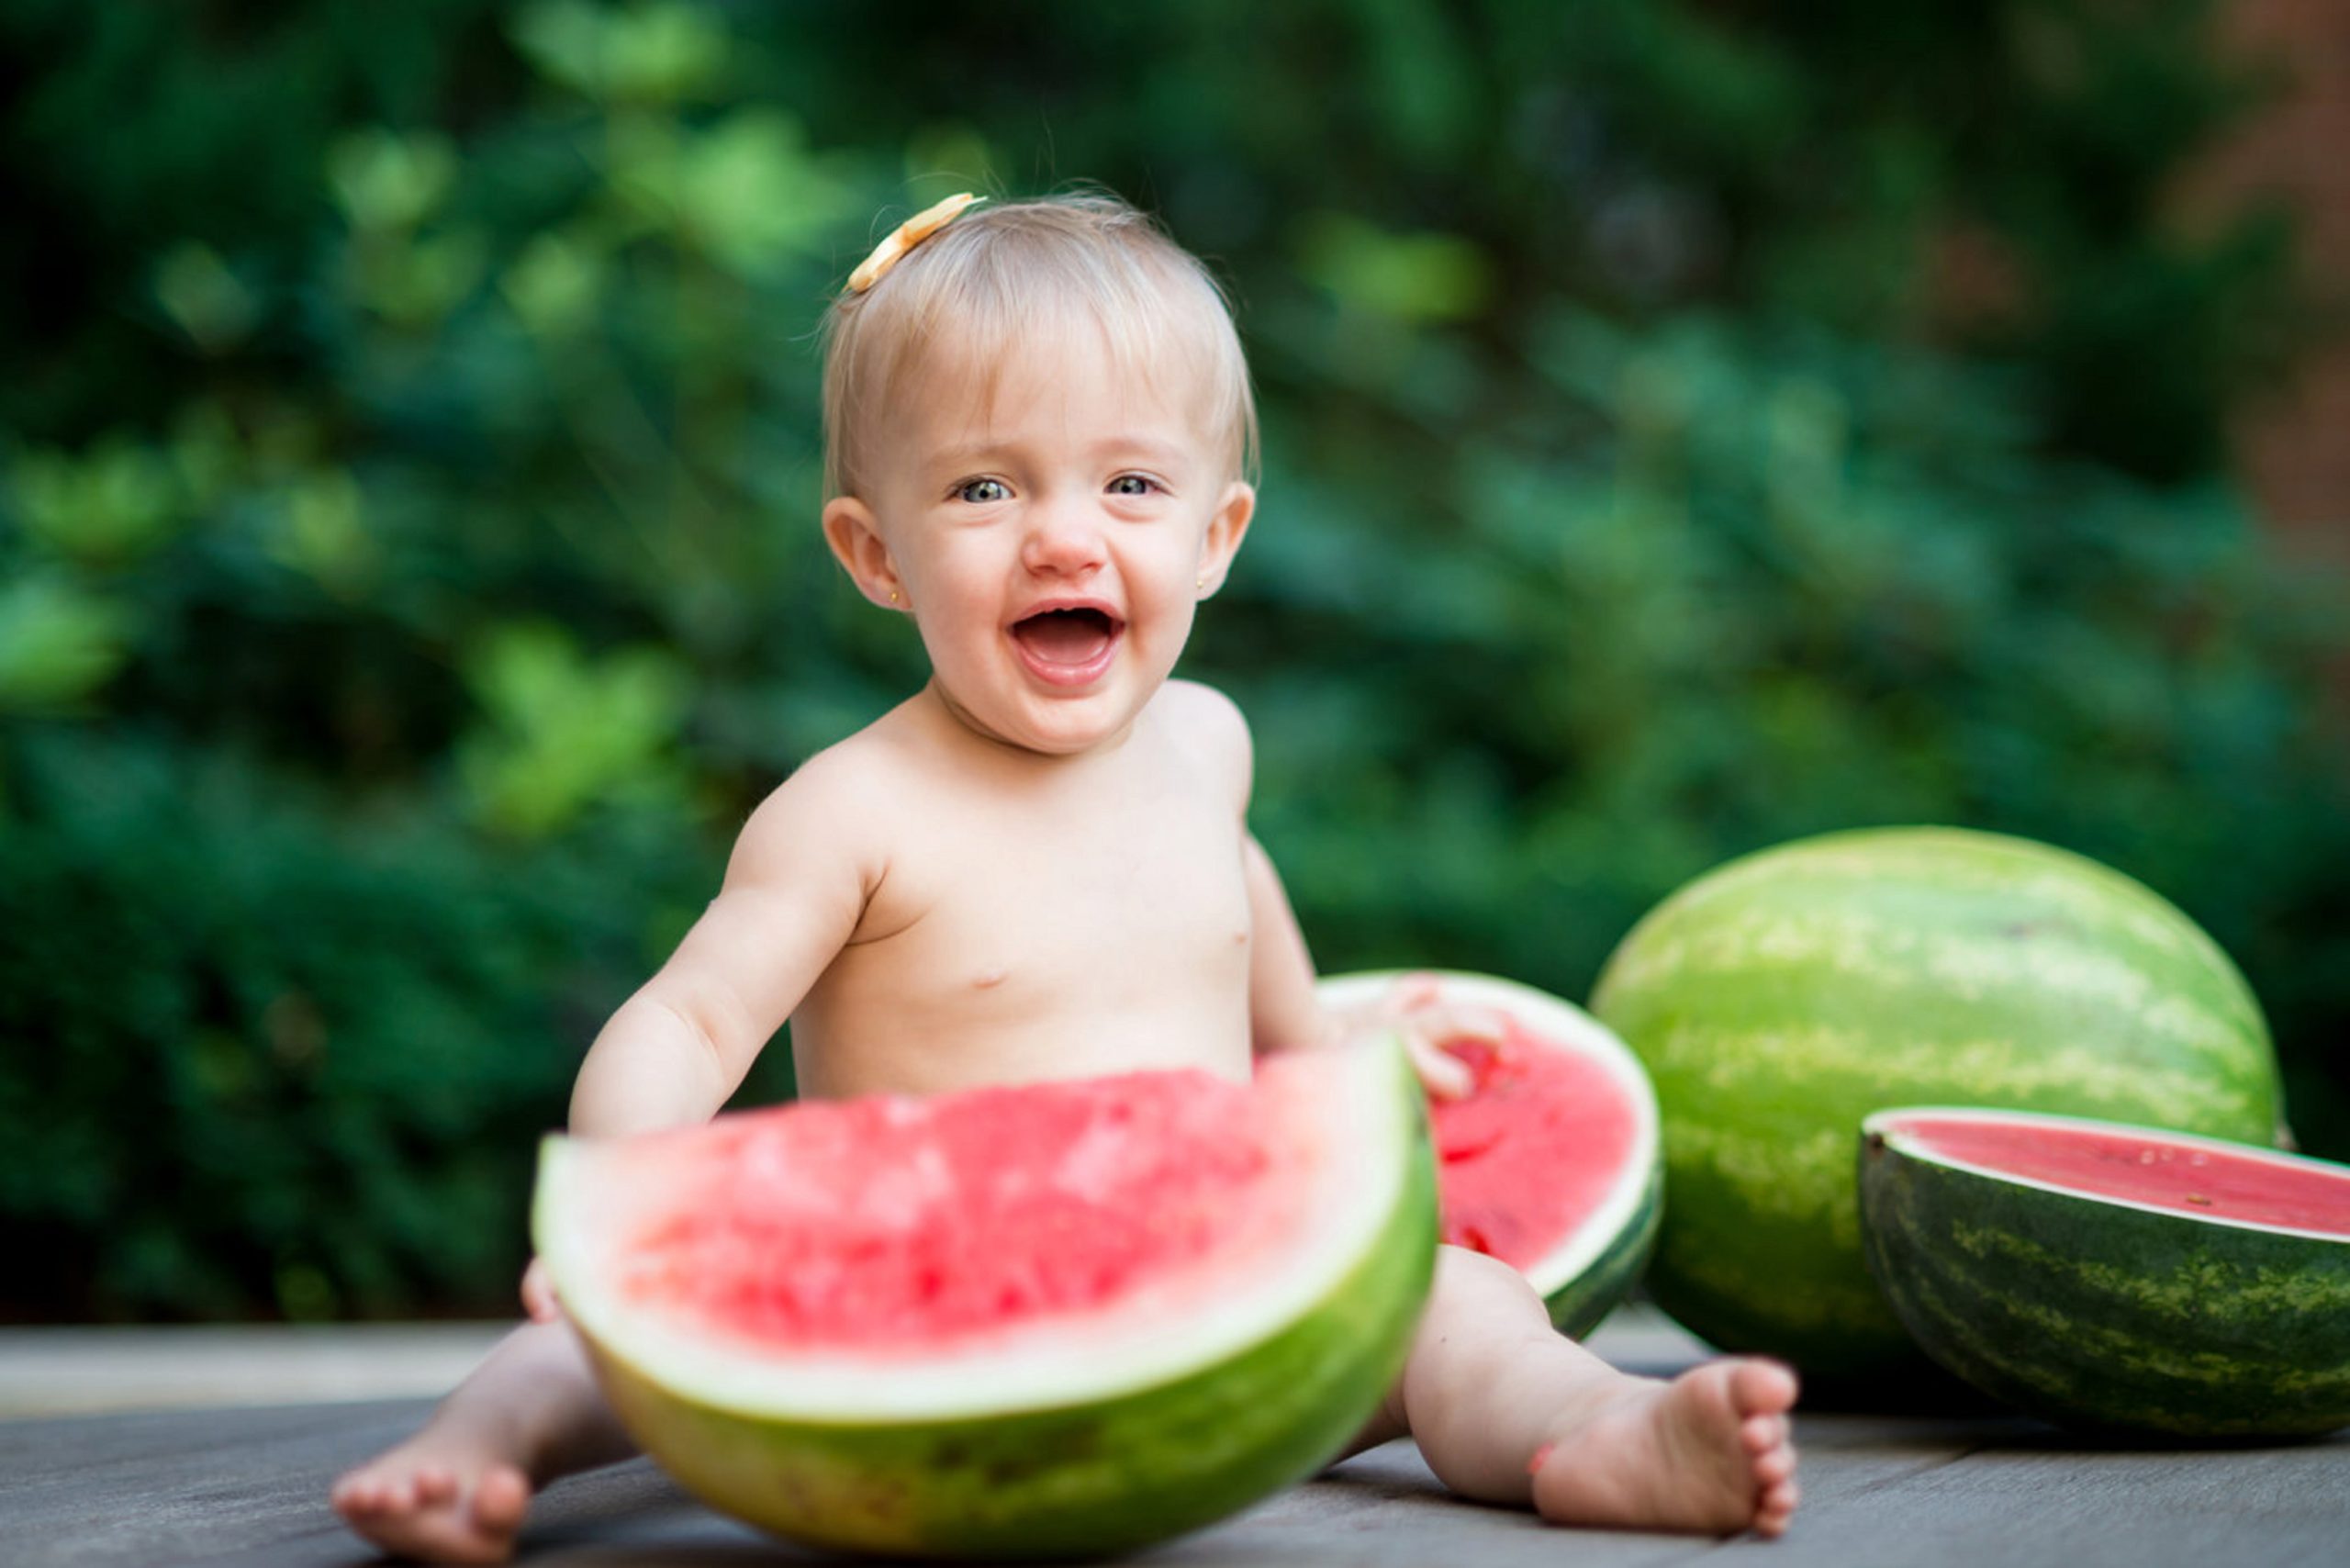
(904,238)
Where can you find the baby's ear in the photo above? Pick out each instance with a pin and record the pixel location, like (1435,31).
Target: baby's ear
(855,535)
(1226,528)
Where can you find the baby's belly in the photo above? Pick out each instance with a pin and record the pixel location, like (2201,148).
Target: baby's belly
(866,1041)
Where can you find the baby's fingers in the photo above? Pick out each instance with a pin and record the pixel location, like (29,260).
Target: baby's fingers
(1442,1074)
(1465,1021)
(1409,992)
(1420,997)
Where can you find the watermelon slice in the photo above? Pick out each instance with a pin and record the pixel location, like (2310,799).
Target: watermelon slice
(2115,1276)
(1553,1164)
(1056,1319)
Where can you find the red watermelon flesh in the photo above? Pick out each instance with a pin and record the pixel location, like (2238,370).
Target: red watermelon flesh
(1533,1150)
(2189,1175)
(971,1213)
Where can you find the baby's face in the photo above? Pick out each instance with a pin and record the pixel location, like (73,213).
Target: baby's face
(1051,542)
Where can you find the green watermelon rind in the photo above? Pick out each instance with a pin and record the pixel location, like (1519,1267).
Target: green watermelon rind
(2098,1313)
(1081,1478)
(1590,1272)
(1781,998)
(1583,1300)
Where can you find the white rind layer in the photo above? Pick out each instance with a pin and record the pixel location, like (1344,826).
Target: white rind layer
(1564,1024)
(1367,1118)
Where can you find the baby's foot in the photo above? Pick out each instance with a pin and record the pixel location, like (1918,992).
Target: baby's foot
(1707,1451)
(440,1496)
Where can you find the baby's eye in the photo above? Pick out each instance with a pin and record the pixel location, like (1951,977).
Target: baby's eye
(980,491)
(1132,484)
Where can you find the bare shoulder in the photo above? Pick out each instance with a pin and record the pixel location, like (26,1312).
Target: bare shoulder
(1210,727)
(828,813)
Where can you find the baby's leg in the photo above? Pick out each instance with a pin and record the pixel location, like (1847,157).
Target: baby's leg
(1506,1409)
(456,1491)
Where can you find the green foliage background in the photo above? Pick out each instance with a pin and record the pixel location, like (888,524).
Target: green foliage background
(408,470)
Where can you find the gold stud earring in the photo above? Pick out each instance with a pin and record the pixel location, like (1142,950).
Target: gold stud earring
(893,596)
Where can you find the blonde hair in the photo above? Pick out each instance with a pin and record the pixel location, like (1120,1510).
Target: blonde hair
(993,276)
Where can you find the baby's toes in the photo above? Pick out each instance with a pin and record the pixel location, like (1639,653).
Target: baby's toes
(1761,1434)
(368,1495)
(1762,1388)
(500,1500)
(1777,1507)
(1770,1469)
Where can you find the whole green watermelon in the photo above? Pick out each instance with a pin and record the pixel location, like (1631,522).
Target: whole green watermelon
(1780,999)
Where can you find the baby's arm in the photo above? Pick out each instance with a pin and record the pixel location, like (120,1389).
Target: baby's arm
(1284,1013)
(794,889)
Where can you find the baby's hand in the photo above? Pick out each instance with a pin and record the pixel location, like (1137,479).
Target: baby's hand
(538,1293)
(1413,1007)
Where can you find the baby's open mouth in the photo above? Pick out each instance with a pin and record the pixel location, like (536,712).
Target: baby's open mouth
(1067,643)
(1071,639)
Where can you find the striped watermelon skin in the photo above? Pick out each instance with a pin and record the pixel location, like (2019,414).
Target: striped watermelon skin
(1780,999)
(1578,1305)
(2093,1313)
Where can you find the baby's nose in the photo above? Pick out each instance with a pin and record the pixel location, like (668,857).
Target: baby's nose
(1063,539)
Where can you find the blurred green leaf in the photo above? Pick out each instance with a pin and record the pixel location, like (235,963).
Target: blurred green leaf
(387,182)
(210,303)
(564,733)
(1411,279)
(59,643)
(416,280)
(748,191)
(321,531)
(657,51)
(555,284)
(105,507)
(206,455)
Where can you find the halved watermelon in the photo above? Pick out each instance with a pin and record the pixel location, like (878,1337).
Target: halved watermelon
(1553,1164)
(2115,1276)
(1056,1319)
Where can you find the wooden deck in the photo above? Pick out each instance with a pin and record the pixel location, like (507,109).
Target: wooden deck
(247,1485)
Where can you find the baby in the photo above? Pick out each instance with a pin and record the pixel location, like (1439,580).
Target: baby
(1039,428)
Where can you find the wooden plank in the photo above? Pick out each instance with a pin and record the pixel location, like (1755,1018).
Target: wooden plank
(249,1487)
(178,1487)
(2034,1498)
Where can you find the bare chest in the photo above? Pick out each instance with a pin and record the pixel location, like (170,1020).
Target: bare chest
(1084,902)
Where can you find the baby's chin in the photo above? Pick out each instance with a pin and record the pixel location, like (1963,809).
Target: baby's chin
(1035,739)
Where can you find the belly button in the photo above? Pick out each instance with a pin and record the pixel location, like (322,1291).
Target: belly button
(990,978)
